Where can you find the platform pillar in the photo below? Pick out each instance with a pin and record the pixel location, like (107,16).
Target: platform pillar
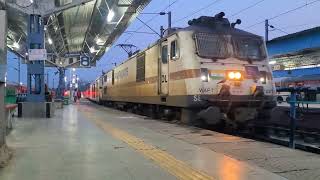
(36,105)
(61,86)
(35,69)
(3,69)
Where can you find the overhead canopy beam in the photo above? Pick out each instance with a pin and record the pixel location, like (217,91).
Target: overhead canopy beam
(65,7)
(72,26)
(45,8)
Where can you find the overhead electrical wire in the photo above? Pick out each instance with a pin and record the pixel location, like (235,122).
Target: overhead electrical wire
(278,29)
(295,26)
(151,19)
(284,13)
(246,8)
(197,11)
(140,32)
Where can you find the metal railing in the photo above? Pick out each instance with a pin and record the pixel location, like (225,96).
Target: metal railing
(294,93)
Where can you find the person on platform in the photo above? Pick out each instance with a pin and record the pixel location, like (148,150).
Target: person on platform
(78,95)
(75,95)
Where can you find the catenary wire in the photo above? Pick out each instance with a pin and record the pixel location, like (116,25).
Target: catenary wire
(284,13)
(197,11)
(151,19)
(248,7)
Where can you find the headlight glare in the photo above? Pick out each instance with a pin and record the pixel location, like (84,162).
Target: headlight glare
(234,75)
(231,75)
(238,75)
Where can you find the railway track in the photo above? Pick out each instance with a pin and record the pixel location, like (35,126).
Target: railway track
(305,139)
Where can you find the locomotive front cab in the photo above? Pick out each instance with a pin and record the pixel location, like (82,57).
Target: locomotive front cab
(235,77)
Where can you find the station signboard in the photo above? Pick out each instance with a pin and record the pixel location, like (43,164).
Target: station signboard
(37,54)
(84,61)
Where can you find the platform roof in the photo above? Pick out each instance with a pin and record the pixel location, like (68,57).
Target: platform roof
(74,26)
(301,49)
(295,43)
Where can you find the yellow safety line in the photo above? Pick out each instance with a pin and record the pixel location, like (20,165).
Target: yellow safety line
(178,168)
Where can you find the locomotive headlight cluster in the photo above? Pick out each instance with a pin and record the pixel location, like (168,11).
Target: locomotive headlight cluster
(234,75)
(204,78)
(204,75)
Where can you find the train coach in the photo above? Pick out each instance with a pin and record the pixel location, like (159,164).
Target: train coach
(209,71)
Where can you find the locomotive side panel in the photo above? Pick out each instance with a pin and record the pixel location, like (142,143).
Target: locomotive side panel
(184,70)
(135,78)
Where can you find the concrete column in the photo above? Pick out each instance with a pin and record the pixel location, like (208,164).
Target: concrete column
(35,70)
(3,69)
(61,86)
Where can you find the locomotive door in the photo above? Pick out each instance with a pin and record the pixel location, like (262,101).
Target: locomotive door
(164,70)
(100,88)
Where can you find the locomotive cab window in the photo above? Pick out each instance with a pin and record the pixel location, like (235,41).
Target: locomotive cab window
(174,50)
(164,54)
(249,48)
(211,45)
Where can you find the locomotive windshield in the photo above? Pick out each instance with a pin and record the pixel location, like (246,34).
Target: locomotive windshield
(248,48)
(211,45)
(216,46)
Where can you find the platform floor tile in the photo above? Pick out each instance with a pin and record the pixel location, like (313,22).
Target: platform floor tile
(196,146)
(217,165)
(69,147)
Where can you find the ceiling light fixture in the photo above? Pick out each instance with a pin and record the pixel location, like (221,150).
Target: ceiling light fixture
(49,40)
(99,41)
(16,45)
(272,62)
(110,15)
(92,50)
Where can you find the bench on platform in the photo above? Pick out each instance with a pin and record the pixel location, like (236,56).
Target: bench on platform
(10,109)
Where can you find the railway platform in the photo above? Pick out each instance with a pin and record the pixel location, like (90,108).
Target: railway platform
(87,141)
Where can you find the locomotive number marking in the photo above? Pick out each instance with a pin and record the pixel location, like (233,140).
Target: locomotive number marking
(164,78)
(205,90)
(196,98)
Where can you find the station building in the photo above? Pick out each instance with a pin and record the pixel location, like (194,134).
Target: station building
(296,54)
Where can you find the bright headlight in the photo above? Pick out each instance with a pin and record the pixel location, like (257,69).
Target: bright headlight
(231,75)
(234,75)
(204,74)
(238,75)
(203,78)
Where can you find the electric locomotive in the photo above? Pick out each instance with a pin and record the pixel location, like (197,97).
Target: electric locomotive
(209,71)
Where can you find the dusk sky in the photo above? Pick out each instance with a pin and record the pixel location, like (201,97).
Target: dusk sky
(184,10)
